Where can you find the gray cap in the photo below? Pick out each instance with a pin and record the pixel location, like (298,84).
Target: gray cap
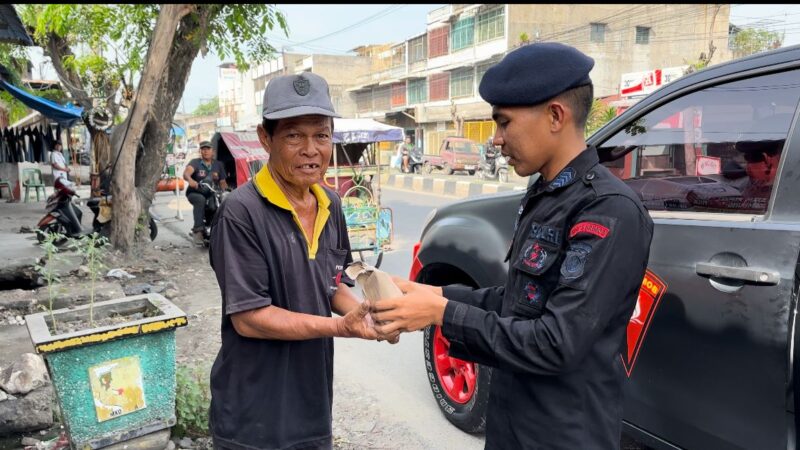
(297,95)
(206,144)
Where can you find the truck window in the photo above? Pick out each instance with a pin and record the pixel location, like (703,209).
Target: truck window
(714,150)
(464,147)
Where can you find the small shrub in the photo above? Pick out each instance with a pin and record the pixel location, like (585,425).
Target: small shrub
(192,400)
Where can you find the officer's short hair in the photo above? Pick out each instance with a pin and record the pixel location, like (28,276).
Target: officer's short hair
(579,100)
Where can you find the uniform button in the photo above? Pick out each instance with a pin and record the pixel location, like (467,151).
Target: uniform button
(590,176)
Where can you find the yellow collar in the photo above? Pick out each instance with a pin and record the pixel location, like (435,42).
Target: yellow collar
(269,189)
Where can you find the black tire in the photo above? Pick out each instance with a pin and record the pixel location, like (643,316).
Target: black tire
(417,168)
(471,172)
(426,167)
(502,176)
(52,227)
(469,416)
(153,229)
(447,169)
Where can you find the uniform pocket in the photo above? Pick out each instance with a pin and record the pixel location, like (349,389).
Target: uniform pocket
(530,300)
(536,257)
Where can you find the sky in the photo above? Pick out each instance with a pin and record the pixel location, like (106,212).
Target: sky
(336,29)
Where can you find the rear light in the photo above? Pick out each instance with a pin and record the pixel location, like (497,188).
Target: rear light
(416,264)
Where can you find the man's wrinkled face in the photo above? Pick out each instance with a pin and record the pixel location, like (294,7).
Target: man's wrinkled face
(300,149)
(523,135)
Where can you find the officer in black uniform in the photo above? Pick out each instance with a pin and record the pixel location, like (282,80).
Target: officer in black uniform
(555,331)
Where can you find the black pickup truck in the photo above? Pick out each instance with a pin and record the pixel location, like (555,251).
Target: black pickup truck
(715,157)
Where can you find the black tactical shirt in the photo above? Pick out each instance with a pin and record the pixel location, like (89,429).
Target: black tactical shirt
(556,330)
(212,174)
(267,393)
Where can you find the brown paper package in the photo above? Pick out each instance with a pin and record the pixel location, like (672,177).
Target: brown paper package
(376,284)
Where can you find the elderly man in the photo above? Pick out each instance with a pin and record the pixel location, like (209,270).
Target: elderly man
(580,249)
(278,247)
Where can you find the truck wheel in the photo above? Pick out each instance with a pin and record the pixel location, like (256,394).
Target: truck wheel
(417,168)
(461,388)
(503,176)
(471,172)
(426,167)
(447,169)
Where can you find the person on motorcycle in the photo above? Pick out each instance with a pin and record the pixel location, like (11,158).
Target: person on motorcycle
(199,170)
(405,150)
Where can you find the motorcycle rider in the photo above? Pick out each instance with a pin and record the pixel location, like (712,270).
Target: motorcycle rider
(405,150)
(203,169)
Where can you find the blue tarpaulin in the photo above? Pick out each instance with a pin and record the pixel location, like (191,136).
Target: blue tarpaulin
(353,131)
(65,115)
(178,131)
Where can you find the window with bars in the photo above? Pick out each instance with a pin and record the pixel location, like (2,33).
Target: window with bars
(381,98)
(598,32)
(417,91)
(439,86)
(462,34)
(398,94)
(642,35)
(364,100)
(481,69)
(462,83)
(438,41)
(491,25)
(417,50)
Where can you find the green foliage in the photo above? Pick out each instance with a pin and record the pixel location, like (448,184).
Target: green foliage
(524,38)
(238,31)
(93,248)
(192,400)
(208,108)
(599,115)
(46,267)
(752,40)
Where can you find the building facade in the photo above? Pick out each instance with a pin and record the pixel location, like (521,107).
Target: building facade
(429,83)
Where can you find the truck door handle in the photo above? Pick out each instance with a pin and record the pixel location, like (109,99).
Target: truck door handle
(748,274)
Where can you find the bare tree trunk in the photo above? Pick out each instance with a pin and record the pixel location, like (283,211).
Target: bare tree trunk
(192,34)
(126,201)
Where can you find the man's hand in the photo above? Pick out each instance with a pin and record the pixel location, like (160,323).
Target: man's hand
(414,311)
(406,286)
(357,323)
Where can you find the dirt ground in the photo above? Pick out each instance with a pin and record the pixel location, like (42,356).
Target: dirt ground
(182,272)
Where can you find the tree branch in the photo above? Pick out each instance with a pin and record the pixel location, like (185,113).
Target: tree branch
(57,48)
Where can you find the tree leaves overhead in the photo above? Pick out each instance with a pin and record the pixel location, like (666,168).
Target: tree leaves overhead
(238,31)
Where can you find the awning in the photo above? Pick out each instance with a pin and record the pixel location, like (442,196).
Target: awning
(11,29)
(178,131)
(241,153)
(65,115)
(352,131)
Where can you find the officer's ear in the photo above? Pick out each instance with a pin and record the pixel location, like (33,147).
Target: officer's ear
(557,114)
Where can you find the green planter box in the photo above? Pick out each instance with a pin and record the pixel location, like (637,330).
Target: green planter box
(114,382)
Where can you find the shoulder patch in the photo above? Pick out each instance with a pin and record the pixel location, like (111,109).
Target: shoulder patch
(574,263)
(594,228)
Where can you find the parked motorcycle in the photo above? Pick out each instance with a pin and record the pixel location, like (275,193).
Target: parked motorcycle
(414,162)
(493,165)
(212,204)
(62,215)
(101,222)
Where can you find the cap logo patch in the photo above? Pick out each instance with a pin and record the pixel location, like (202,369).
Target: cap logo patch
(302,86)
(589,228)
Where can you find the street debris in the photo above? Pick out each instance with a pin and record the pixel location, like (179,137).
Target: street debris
(119,273)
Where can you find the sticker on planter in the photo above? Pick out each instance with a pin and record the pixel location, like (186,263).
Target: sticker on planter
(117,387)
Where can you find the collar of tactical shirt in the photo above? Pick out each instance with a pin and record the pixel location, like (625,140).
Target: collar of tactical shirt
(575,170)
(269,189)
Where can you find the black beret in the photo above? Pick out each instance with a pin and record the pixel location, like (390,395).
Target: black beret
(534,73)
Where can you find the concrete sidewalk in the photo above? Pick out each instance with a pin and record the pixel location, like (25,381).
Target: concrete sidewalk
(453,187)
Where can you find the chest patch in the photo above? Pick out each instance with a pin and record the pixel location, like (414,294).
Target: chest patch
(546,233)
(532,293)
(534,256)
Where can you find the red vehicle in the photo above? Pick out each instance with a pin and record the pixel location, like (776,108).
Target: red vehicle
(455,153)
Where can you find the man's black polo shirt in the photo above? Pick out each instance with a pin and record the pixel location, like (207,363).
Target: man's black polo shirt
(274,394)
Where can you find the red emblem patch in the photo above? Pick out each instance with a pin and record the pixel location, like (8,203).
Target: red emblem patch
(590,228)
(650,294)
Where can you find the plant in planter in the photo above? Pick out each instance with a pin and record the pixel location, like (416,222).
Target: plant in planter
(93,248)
(48,241)
(112,363)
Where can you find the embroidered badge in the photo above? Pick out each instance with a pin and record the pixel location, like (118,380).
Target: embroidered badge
(532,293)
(575,261)
(564,178)
(545,233)
(302,86)
(534,256)
(201,173)
(589,228)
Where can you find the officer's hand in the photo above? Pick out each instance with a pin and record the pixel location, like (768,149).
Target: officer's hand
(406,285)
(414,311)
(357,323)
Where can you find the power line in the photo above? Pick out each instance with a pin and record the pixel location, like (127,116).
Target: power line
(364,21)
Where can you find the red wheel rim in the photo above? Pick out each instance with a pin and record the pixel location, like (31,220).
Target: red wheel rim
(457,377)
